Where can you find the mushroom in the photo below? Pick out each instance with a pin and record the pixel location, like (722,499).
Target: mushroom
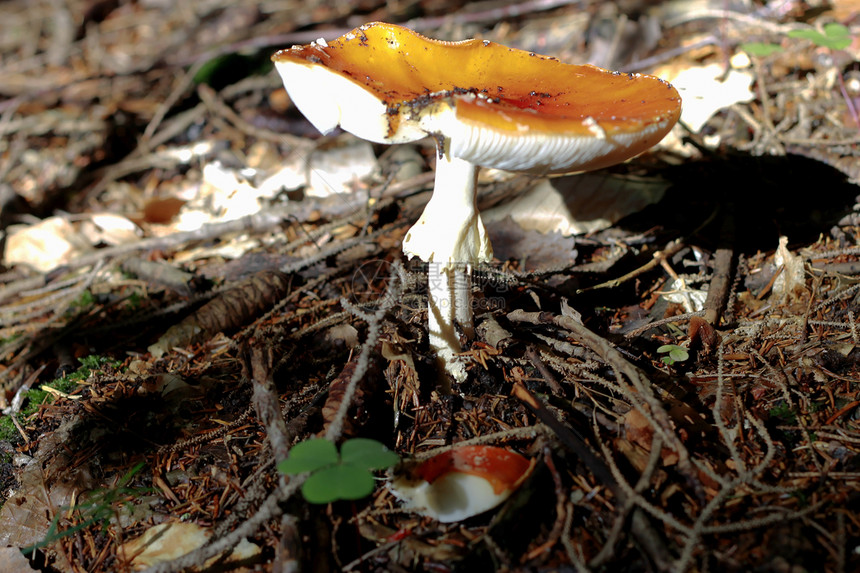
(461,482)
(485,105)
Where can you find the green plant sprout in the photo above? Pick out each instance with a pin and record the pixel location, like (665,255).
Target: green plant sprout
(761,49)
(337,476)
(833,36)
(99,507)
(674,353)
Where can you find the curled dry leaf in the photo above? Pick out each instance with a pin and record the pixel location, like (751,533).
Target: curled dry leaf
(339,169)
(700,332)
(637,429)
(161,210)
(791,282)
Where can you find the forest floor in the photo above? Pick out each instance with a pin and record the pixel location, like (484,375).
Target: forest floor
(194,281)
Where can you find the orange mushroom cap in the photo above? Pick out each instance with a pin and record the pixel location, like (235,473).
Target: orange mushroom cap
(496,106)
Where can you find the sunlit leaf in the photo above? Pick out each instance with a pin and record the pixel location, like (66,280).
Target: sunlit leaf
(340,481)
(675,353)
(309,456)
(834,36)
(761,49)
(367,454)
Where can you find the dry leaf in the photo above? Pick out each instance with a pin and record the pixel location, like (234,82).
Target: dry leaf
(110,229)
(13,561)
(640,435)
(634,453)
(638,430)
(692,300)
(338,169)
(577,204)
(169,541)
(533,249)
(45,245)
(162,210)
(291,174)
(49,482)
(705,92)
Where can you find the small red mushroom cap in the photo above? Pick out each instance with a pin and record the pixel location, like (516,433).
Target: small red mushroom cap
(461,482)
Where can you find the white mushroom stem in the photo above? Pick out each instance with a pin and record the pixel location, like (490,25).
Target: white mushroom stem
(450,237)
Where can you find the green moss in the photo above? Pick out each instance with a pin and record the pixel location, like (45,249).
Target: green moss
(8,431)
(134,301)
(816,406)
(84,301)
(65,384)
(784,413)
(11,339)
(35,397)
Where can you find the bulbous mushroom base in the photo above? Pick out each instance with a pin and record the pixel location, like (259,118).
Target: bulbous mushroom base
(449,295)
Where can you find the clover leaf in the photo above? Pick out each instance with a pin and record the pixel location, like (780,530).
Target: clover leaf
(340,481)
(369,454)
(309,456)
(337,476)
